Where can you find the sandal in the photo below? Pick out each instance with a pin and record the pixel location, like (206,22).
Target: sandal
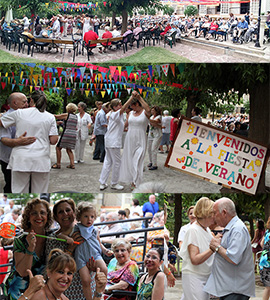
(56,166)
(71,167)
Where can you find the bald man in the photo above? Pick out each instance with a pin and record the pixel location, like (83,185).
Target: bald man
(8,140)
(232,276)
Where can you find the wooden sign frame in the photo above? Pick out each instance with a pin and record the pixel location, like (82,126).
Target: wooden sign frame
(217,155)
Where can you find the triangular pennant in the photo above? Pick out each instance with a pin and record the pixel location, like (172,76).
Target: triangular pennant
(103,93)
(181,67)
(68,91)
(158,70)
(59,71)
(112,70)
(129,69)
(173,69)
(165,69)
(149,71)
(3,84)
(86,93)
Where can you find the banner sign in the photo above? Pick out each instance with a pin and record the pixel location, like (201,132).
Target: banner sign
(217,155)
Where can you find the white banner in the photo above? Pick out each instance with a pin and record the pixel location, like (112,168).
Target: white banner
(218,155)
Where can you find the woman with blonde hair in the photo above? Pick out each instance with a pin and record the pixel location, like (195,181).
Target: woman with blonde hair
(113,144)
(68,137)
(195,252)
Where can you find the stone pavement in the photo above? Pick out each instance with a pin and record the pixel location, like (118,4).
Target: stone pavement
(84,178)
(196,50)
(176,292)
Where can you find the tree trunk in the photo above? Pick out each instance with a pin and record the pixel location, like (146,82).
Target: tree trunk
(65,102)
(124,21)
(33,13)
(177,217)
(191,103)
(260,119)
(113,19)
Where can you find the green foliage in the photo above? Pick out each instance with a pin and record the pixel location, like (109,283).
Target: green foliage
(168,10)
(141,12)
(54,102)
(77,197)
(151,11)
(191,10)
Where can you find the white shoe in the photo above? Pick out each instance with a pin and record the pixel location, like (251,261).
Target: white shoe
(117,186)
(82,161)
(103,186)
(75,161)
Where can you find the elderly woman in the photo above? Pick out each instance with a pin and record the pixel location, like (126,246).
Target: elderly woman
(113,144)
(131,169)
(29,248)
(195,252)
(151,286)
(64,215)
(84,124)
(32,162)
(59,274)
(68,137)
(122,271)
(154,136)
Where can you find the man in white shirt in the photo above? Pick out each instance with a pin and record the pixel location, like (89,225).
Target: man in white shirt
(110,228)
(26,22)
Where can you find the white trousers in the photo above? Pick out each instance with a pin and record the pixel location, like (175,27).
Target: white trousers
(153,145)
(112,162)
(193,287)
(39,182)
(79,149)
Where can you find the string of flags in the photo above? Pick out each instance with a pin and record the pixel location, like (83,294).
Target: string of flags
(90,79)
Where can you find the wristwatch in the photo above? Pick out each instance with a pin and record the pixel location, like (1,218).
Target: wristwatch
(216,250)
(97,294)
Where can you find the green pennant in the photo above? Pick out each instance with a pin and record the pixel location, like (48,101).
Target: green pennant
(181,67)
(129,69)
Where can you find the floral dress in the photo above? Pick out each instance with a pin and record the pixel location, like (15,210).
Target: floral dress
(129,273)
(15,284)
(265,260)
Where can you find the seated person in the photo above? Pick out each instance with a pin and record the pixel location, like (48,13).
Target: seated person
(128,32)
(196,26)
(55,28)
(106,35)
(122,271)
(240,28)
(222,31)
(252,29)
(167,28)
(90,36)
(212,30)
(28,34)
(115,32)
(137,31)
(204,28)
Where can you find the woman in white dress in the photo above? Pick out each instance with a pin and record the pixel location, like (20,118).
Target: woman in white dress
(86,24)
(154,136)
(196,253)
(131,170)
(32,162)
(83,126)
(113,144)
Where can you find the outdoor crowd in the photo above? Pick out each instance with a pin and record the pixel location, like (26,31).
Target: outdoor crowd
(75,262)
(123,132)
(218,255)
(240,29)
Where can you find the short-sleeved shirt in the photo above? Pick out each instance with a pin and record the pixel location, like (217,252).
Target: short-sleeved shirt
(152,208)
(90,36)
(10,133)
(200,238)
(101,120)
(36,156)
(227,278)
(155,132)
(182,232)
(115,129)
(82,125)
(166,121)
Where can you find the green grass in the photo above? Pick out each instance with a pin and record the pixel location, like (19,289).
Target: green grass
(5,57)
(153,55)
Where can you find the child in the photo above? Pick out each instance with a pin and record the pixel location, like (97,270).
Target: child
(92,247)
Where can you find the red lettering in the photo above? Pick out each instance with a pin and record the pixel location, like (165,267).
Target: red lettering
(223,173)
(227,141)
(219,139)
(209,168)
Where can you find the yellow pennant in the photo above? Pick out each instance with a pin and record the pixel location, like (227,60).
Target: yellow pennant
(56,82)
(119,69)
(103,94)
(21,75)
(86,93)
(31,88)
(87,86)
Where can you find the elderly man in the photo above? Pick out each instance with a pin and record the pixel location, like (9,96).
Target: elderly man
(111,228)
(100,129)
(232,276)
(151,206)
(8,140)
(55,28)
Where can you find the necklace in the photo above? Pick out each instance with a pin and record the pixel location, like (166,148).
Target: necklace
(202,225)
(53,293)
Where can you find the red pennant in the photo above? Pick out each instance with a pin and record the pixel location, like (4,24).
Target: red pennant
(59,70)
(3,85)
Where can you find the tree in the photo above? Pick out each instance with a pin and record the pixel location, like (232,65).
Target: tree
(125,7)
(191,10)
(168,10)
(32,7)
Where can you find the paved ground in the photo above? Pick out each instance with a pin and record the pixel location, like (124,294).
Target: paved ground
(85,177)
(196,50)
(176,292)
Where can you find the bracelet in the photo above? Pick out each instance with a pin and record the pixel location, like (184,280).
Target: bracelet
(97,294)
(24,297)
(29,252)
(169,273)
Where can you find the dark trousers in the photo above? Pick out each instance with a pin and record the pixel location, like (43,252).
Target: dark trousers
(234,297)
(7,176)
(100,148)
(96,29)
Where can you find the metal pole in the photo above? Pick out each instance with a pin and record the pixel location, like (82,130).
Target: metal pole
(257,44)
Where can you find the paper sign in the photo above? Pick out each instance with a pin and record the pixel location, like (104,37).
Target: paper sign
(217,155)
